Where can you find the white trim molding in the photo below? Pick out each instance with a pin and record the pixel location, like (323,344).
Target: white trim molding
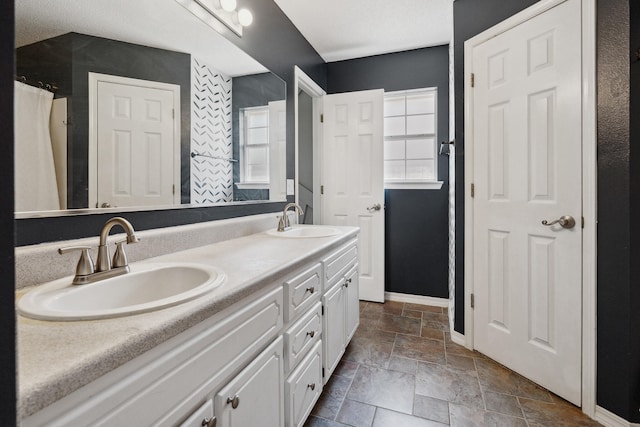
(609,419)
(458,338)
(589,187)
(416,299)
(416,185)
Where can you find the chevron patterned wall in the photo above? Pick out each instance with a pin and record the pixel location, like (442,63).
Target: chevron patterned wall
(211,179)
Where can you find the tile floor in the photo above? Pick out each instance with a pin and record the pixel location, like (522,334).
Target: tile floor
(401,369)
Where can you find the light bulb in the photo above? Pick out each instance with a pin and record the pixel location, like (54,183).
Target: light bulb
(245,18)
(228,5)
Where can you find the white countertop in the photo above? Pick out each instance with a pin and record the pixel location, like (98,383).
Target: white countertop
(57,358)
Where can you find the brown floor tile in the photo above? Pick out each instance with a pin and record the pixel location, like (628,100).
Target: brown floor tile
(461,362)
(370,318)
(494,419)
(389,307)
(431,408)
(374,334)
(386,418)
(418,348)
(386,389)
(554,414)
(453,348)
(434,334)
(369,351)
(337,387)
(463,416)
(356,414)
(402,364)
(435,321)
(321,422)
(412,313)
(503,403)
(422,307)
(399,324)
(445,383)
(327,406)
(495,377)
(346,368)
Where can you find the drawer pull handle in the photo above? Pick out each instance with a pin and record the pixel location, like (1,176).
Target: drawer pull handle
(311,386)
(311,290)
(209,422)
(235,401)
(346,282)
(311,333)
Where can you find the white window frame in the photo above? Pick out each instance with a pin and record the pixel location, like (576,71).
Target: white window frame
(244,183)
(418,184)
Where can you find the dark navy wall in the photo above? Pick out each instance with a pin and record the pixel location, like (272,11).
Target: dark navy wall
(274,42)
(618,307)
(8,395)
(416,235)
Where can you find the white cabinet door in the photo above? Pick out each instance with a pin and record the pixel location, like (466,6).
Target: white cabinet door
(334,327)
(303,388)
(255,397)
(352,304)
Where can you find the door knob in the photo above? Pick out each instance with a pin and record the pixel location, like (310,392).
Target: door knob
(565,221)
(374,208)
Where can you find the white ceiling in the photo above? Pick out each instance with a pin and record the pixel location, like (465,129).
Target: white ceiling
(346,29)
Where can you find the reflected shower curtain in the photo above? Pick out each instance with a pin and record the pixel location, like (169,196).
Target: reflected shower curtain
(35,175)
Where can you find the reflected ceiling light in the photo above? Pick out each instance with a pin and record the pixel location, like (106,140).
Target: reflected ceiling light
(245,17)
(223,10)
(228,5)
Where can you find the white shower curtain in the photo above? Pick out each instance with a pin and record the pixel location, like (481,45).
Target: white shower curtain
(35,175)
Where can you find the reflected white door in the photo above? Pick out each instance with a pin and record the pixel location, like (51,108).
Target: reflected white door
(277,150)
(138,143)
(353,179)
(527,169)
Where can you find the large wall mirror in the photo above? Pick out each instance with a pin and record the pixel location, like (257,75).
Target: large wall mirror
(129,105)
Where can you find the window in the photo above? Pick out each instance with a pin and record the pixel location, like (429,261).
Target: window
(254,147)
(410,156)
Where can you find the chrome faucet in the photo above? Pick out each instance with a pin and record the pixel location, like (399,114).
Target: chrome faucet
(283,221)
(87,272)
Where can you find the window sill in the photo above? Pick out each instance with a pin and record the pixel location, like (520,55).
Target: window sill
(413,185)
(252,185)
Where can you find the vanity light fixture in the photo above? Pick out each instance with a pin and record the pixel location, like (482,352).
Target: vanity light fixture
(223,10)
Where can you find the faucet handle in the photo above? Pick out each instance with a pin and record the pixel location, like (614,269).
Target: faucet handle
(120,257)
(85,263)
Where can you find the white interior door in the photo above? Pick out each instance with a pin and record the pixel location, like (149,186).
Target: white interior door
(527,140)
(353,180)
(138,143)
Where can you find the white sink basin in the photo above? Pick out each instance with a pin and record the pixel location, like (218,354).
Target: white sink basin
(305,231)
(146,288)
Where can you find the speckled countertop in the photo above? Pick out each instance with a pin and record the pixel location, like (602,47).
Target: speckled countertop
(57,358)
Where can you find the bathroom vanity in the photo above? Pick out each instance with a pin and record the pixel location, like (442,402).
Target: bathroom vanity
(255,351)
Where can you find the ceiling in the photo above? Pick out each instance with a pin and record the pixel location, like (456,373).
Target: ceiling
(346,29)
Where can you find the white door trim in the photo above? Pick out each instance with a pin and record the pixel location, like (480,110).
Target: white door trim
(94,79)
(301,81)
(589,196)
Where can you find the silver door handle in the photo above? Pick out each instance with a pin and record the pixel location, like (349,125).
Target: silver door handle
(565,221)
(374,208)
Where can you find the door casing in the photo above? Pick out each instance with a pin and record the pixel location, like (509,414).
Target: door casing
(589,176)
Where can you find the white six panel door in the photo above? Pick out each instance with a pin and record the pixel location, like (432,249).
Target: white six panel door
(353,179)
(136,146)
(527,168)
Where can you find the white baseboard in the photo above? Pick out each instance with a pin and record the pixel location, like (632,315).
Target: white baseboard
(609,419)
(458,338)
(416,299)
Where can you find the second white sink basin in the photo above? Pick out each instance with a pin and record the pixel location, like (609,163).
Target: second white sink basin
(305,231)
(146,288)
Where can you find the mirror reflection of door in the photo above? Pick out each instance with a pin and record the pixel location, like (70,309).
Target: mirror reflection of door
(137,139)
(305,155)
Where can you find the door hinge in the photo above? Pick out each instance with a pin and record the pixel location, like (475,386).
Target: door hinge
(322,310)
(582,222)
(322,372)
(173,113)
(473,80)
(473,301)
(473,190)
(322,189)
(321,118)
(174,189)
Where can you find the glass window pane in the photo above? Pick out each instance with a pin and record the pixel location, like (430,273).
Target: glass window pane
(257,118)
(420,169)
(422,148)
(394,150)
(394,169)
(394,106)
(257,173)
(420,125)
(394,126)
(421,103)
(256,155)
(257,136)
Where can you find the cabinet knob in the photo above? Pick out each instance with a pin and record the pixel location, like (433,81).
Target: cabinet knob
(209,422)
(346,283)
(235,401)
(311,333)
(311,290)
(311,386)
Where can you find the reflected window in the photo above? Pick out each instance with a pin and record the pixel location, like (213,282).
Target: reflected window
(254,145)
(410,129)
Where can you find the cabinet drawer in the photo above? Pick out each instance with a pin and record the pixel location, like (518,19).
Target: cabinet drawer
(203,416)
(301,292)
(337,263)
(303,387)
(301,336)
